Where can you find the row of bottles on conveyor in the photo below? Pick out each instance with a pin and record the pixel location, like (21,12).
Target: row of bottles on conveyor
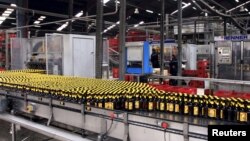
(230,109)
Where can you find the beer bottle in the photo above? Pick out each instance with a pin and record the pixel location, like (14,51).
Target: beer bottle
(211,109)
(100,102)
(201,106)
(236,111)
(248,111)
(171,104)
(196,106)
(167,101)
(243,113)
(223,110)
(186,105)
(150,103)
(145,103)
(177,105)
(106,102)
(190,105)
(181,104)
(230,110)
(162,103)
(137,102)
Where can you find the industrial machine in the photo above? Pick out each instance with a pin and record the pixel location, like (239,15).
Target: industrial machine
(138,58)
(57,53)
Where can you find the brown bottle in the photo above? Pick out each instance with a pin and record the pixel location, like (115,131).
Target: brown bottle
(196,107)
(186,105)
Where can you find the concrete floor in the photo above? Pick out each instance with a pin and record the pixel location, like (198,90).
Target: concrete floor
(22,134)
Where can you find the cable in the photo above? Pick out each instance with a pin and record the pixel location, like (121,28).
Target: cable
(111,124)
(165,135)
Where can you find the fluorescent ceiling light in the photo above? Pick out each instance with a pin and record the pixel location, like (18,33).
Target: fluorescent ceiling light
(149,11)
(246,9)
(2,18)
(238,6)
(142,22)
(136,25)
(236,0)
(1,22)
(118,22)
(194,8)
(36,22)
(206,14)
(43,17)
(105,1)
(9,9)
(183,7)
(5,15)
(79,14)
(13,5)
(7,12)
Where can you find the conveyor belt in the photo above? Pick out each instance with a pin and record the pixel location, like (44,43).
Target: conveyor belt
(46,130)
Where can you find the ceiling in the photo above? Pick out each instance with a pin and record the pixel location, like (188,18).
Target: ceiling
(89,7)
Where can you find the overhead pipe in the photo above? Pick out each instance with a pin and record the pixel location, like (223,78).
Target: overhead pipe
(223,15)
(198,6)
(216,3)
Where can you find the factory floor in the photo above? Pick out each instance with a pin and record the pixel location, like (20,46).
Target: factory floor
(22,134)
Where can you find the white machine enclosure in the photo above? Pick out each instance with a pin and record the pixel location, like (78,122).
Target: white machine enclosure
(79,55)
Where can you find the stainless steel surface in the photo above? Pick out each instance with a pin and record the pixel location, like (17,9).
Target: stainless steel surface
(13,131)
(48,131)
(137,126)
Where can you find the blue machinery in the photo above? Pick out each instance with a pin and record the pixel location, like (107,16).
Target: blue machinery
(138,55)
(138,58)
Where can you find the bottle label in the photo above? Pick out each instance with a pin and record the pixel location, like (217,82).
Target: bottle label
(221,114)
(167,107)
(211,112)
(111,105)
(106,105)
(137,105)
(196,111)
(157,106)
(88,108)
(100,105)
(126,105)
(162,106)
(243,117)
(171,107)
(130,105)
(150,105)
(177,108)
(186,109)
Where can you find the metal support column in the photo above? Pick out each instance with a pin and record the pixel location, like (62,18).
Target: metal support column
(167,26)
(195,32)
(13,132)
(162,36)
(122,35)
(71,4)
(179,40)
(225,27)
(99,39)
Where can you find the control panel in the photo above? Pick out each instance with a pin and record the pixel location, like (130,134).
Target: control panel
(224,55)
